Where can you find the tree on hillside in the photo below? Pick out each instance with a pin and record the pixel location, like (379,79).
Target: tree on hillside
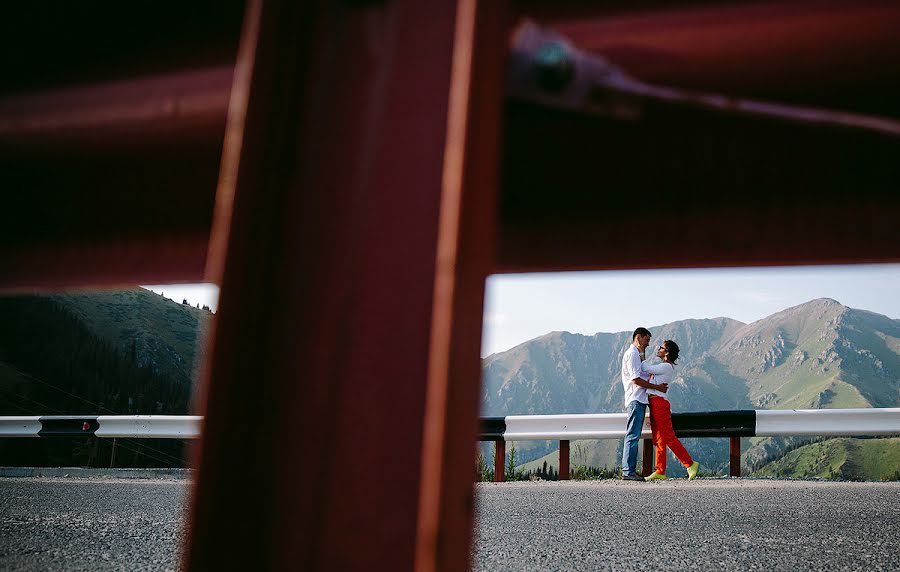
(512,473)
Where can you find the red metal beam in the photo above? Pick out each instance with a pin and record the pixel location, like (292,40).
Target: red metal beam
(465,257)
(188,104)
(111,183)
(812,52)
(500,461)
(351,288)
(647,463)
(734,456)
(134,161)
(750,184)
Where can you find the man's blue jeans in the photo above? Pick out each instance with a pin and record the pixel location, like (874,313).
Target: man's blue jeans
(633,428)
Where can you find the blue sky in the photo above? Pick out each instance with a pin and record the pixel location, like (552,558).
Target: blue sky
(523,306)
(519,307)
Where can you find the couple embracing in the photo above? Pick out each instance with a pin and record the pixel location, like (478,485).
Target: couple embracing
(646,386)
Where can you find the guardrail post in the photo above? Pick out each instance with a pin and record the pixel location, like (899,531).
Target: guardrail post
(499,460)
(564,460)
(647,462)
(735,457)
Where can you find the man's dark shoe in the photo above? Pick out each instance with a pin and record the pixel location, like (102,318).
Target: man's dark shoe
(632,478)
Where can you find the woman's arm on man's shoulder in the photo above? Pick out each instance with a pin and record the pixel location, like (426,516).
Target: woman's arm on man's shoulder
(656,369)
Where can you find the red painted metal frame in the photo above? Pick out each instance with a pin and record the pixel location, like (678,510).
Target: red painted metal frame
(355,224)
(352,284)
(647,462)
(841,54)
(500,461)
(115,180)
(564,460)
(827,54)
(734,456)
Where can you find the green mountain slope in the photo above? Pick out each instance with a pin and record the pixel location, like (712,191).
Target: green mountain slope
(123,352)
(161,334)
(853,459)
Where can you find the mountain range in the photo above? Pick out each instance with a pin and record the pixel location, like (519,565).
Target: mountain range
(820,354)
(133,351)
(109,352)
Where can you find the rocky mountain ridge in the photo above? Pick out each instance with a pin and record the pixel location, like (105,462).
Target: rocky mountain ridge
(820,354)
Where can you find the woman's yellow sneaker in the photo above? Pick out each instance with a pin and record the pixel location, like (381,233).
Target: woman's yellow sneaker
(654,476)
(693,470)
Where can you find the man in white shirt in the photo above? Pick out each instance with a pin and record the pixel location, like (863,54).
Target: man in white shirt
(635,384)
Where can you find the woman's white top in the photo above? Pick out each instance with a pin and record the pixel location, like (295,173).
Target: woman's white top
(659,373)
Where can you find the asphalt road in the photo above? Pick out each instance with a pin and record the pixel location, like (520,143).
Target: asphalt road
(61,524)
(711,524)
(134,524)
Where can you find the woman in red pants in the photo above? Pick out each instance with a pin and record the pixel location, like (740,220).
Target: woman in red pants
(661,414)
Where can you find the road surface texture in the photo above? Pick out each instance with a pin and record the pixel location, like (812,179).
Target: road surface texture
(98,524)
(707,524)
(60,524)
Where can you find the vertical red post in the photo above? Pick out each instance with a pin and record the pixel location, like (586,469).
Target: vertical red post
(499,461)
(647,463)
(564,460)
(465,247)
(735,457)
(353,234)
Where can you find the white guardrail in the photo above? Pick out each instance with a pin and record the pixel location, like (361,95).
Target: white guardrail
(749,423)
(732,424)
(107,426)
(760,423)
(828,422)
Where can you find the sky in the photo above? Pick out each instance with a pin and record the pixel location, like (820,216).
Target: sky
(524,306)
(203,294)
(519,307)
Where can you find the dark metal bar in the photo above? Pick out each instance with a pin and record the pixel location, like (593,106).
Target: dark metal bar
(564,460)
(492,428)
(715,423)
(66,426)
(499,460)
(734,456)
(647,464)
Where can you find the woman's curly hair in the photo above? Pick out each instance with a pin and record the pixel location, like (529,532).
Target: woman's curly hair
(672,349)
